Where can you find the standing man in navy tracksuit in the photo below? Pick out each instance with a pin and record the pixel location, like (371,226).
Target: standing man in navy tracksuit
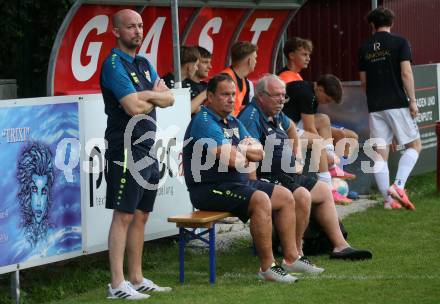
(130,87)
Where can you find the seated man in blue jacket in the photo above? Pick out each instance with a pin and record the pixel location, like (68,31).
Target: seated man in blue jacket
(266,123)
(216,158)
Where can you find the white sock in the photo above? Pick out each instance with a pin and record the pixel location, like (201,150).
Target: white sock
(344,161)
(330,149)
(325,177)
(383,180)
(406,164)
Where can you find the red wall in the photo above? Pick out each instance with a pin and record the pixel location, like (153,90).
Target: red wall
(419,22)
(337,27)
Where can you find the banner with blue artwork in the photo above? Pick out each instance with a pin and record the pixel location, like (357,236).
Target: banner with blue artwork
(40,200)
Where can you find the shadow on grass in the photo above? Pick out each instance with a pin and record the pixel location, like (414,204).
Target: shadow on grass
(404,268)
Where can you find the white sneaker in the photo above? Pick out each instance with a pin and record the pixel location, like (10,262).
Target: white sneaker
(125,291)
(148,285)
(302,265)
(277,274)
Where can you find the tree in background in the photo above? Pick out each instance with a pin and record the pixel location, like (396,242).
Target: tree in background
(27,31)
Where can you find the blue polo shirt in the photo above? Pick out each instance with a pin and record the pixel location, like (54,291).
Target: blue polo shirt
(268,132)
(122,75)
(208,130)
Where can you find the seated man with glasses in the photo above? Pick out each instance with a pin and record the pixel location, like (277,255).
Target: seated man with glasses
(266,123)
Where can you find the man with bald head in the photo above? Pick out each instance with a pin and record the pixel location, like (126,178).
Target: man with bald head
(130,87)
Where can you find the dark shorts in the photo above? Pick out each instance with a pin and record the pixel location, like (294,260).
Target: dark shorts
(337,126)
(123,191)
(233,197)
(290,181)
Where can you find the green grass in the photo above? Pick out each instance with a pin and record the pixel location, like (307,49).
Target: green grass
(404,269)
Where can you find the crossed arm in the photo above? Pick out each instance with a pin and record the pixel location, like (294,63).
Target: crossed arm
(249,150)
(143,102)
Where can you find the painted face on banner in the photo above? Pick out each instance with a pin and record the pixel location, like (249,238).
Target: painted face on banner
(39,196)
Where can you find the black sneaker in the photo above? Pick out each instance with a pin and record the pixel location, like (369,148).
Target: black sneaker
(351,253)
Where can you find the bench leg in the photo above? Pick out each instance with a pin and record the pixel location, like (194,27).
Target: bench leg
(212,255)
(182,254)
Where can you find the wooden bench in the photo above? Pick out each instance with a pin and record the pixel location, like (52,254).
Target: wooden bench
(194,220)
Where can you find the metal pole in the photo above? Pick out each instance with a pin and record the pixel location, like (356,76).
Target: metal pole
(282,42)
(176,43)
(15,286)
(182,243)
(373,4)
(212,254)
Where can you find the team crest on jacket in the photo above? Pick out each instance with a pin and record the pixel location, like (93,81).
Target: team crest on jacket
(236,132)
(135,78)
(229,133)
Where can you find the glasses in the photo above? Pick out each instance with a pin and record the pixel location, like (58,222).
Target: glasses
(283,98)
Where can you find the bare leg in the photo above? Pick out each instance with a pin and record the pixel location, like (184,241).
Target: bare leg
(302,211)
(135,245)
(339,134)
(260,212)
(316,153)
(322,124)
(116,245)
(383,153)
(283,202)
(416,145)
(325,213)
(324,161)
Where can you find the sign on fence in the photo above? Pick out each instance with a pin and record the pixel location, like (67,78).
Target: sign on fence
(40,206)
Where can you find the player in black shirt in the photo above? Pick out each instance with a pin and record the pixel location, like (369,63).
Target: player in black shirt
(189,61)
(197,82)
(386,76)
(303,110)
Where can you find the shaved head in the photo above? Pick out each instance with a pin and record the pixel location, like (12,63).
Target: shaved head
(123,15)
(128,30)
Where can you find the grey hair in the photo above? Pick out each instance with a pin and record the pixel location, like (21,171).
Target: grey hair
(262,82)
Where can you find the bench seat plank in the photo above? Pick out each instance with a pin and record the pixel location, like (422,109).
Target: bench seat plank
(199,217)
